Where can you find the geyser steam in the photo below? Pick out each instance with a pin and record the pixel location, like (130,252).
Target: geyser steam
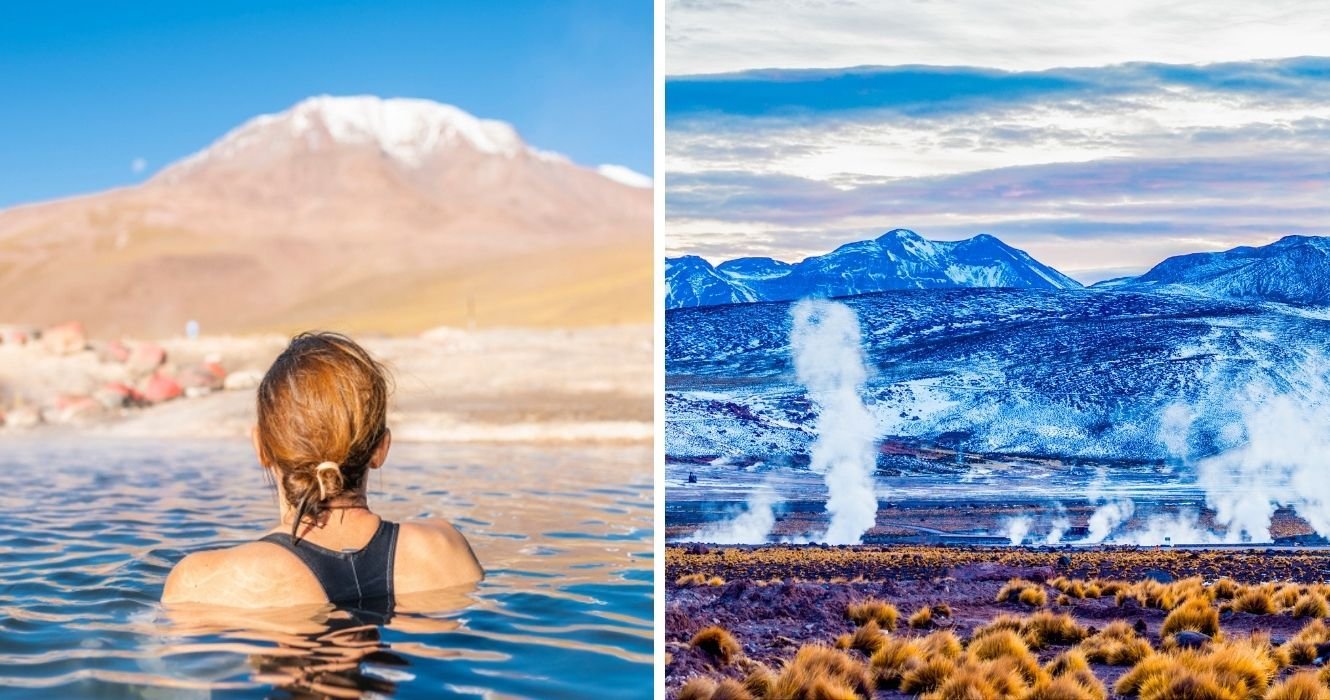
(752,526)
(828,360)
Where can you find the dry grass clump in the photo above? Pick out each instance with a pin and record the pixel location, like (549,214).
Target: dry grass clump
(759,681)
(1046,628)
(1034,597)
(867,639)
(1196,614)
(894,659)
(698,580)
(928,615)
(1116,645)
(1257,601)
(1085,687)
(817,671)
(943,644)
(1287,595)
(1225,589)
(928,676)
(1242,669)
(697,688)
(1300,686)
(1027,592)
(883,613)
(1311,604)
(982,680)
(1302,648)
(718,643)
(1006,644)
(1068,662)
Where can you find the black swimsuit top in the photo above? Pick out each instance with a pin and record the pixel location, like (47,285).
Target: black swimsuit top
(358,578)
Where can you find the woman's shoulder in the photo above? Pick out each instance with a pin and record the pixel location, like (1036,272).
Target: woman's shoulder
(432,554)
(254,574)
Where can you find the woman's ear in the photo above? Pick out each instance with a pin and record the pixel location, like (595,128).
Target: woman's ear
(381,452)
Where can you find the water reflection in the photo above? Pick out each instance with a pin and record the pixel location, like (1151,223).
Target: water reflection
(565,535)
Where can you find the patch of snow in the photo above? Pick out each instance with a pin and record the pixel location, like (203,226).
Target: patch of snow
(624,176)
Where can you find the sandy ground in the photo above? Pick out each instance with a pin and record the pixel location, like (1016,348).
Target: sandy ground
(490,385)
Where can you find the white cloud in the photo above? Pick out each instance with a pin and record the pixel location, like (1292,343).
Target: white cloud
(138,165)
(703,36)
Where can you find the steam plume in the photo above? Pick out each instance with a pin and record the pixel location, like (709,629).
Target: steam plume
(828,360)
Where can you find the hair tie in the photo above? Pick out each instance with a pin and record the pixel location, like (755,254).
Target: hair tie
(318,476)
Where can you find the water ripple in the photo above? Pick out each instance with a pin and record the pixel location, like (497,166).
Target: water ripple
(565,534)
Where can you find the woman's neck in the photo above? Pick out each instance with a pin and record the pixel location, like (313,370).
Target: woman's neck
(336,510)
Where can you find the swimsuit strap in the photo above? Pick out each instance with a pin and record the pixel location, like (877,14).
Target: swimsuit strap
(362,578)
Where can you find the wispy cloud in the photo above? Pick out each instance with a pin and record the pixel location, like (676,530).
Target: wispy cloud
(708,36)
(1132,162)
(138,165)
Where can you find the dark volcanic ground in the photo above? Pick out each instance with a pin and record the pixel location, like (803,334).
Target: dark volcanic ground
(776,598)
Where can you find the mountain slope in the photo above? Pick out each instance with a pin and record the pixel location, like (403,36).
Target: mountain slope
(352,212)
(899,259)
(1293,270)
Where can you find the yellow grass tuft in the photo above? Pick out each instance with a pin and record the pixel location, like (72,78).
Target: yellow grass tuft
(1006,644)
(944,644)
(1027,592)
(759,681)
(1238,669)
(822,672)
(1084,687)
(697,688)
(1300,686)
(1196,614)
(922,618)
(883,613)
(1068,662)
(1257,601)
(1301,648)
(1046,628)
(1311,605)
(980,681)
(928,676)
(896,657)
(717,643)
(730,689)
(1116,645)
(867,639)
(1034,597)
(691,580)
(1225,589)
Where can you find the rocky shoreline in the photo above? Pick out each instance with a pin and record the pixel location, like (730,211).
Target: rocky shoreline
(500,385)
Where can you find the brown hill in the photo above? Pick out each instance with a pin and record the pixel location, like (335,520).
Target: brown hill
(356,213)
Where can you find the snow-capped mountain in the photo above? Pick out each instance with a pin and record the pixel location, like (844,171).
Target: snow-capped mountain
(1293,270)
(899,259)
(1070,374)
(353,212)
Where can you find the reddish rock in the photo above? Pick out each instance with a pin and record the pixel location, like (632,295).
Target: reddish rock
(23,417)
(117,395)
(216,368)
(65,339)
(76,408)
(201,377)
(15,335)
(161,387)
(114,351)
(146,357)
(242,380)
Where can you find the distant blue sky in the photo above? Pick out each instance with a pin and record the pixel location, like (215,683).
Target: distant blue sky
(1100,137)
(90,87)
